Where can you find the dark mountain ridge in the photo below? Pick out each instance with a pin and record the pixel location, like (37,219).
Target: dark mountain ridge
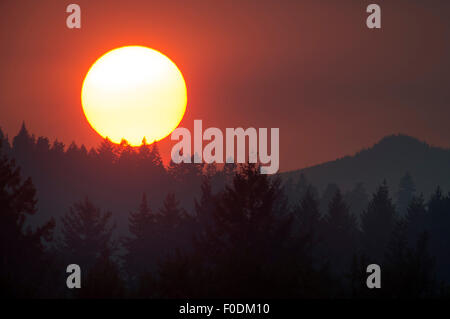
(389,159)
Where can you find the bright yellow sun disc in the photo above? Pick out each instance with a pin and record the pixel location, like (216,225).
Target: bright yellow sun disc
(134,92)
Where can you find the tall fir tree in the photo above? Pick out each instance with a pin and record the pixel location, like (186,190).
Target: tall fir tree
(341,234)
(86,234)
(308,216)
(107,152)
(438,223)
(247,237)
(406,191)
(172,222)
(140,255)
(377,223)
(156,156)
(4,142)
(23,269)
(357,199)
(408,272)
(23,142)
(416,220)
(327,196)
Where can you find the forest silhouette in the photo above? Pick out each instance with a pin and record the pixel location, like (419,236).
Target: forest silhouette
(139,229)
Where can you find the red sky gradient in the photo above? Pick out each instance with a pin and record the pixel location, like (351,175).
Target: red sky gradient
(311,68)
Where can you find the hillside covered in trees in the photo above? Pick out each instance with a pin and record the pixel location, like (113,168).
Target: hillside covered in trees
(391,158)
(139,229)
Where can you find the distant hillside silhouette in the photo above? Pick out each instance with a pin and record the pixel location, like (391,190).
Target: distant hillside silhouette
(390,159)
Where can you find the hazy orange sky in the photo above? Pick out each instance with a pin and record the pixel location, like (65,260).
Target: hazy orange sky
(311,68)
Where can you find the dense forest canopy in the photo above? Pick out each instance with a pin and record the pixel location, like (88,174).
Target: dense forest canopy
(139,228)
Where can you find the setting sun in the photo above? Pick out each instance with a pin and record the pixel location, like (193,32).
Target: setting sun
(134,92)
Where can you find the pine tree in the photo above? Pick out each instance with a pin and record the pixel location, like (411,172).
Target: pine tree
(424,268)
(2,137)
(171,214)
(178,171)
(357,199)
(86,234)
(140,253)
(173,232)
(341,233)
(144,154)
(107,152)
(57,149)
(246,238)
(408,272)
(204,208)
(142,220)
(23,143)
(126,155)
(415,219)
(308,216)
(24,261)
(156,156)
(42,146)
(438,221)
(4,143)
(72,150)
(406,190)
(327,197)
(377,223)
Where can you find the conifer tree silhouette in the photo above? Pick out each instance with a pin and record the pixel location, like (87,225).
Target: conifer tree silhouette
(341,234)
(327,196)
(155,156)
(308,216)
(42,144)
(357,199)
(140,257)
(86,234)
(23,142)
(416,220)
(248,242)
(126,155)
(107,152)
(406,191)
(377,223)
(205,206)
(144,152)
(6,147)
(72,150)
(22,252)
(57,150)
(173,232)
(408,272)
(438,222)
(170,214)
(247,237)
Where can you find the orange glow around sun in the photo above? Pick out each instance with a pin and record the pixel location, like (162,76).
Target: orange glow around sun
(134,92)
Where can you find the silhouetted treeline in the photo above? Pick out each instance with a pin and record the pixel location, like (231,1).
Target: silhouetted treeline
(115,175)
(243,234)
